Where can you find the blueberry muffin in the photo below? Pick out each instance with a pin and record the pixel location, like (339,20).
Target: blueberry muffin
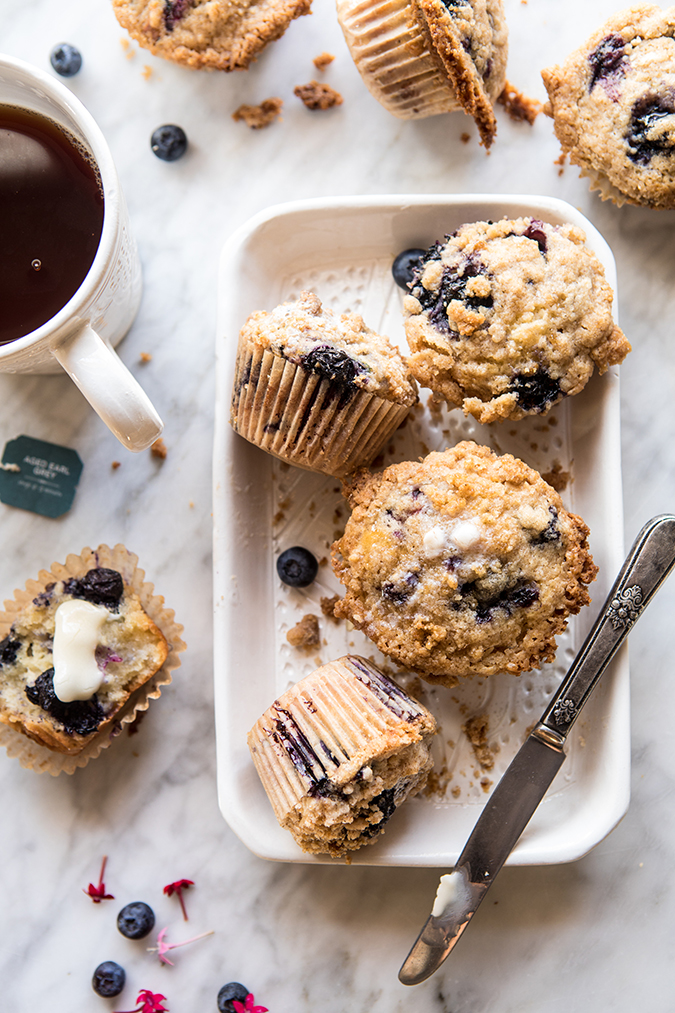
(613,107)
(424,57)
(504,319)
(462,564)
(77,646)
(318,390)
(216,34)
(339,752)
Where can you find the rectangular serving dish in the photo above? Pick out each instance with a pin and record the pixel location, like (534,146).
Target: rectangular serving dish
(343,248)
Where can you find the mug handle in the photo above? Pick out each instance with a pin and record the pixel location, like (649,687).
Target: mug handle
(109,387)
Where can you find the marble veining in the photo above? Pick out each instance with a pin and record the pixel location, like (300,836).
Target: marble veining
(593,934)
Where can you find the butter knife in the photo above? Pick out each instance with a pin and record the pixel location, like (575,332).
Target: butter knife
(530,773)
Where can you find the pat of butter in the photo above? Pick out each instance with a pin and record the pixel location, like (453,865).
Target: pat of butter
(452,890)
(78,626)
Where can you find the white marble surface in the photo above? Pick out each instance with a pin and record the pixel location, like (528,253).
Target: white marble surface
(591,935)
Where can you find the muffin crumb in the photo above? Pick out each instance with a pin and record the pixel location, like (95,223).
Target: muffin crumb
(158,449)
(328,606)
(257,117)
(305,633)
(520,107)
(476,730)
(322,60)
(316,95)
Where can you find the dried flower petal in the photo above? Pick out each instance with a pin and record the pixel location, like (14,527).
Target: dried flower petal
(97,893)
(177,888)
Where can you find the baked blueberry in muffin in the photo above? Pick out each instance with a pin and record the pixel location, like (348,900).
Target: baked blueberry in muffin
(465,563)
(506,318)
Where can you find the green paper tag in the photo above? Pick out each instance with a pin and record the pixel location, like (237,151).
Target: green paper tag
(39,476)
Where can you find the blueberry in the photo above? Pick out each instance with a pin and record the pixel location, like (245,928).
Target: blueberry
(233,990)
(136,920)
(535,392)
(535,231)
(81,717)
(65,59)
(333,364)
(169,142)
(607,60)
(649,132)
(297,566)
(453,286)
(100,586)
(108,979)
(404,265)
(9,647)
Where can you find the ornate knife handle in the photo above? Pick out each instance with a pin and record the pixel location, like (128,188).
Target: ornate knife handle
(648,564)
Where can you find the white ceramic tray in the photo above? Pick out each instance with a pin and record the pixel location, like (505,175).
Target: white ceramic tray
(343,249)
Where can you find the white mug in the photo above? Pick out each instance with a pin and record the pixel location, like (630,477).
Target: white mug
(81,336)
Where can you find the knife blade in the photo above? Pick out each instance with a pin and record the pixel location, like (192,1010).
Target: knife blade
(527,778)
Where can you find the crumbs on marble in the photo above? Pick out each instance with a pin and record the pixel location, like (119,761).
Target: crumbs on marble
(130,52)
(158,449)
(316,95)
(465,138)
(115,465)
(305,633)
(146,73)
(257,117)
(520,107)
(322,60)
(145,357)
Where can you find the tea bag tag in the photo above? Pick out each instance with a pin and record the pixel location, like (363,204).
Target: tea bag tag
(39,476)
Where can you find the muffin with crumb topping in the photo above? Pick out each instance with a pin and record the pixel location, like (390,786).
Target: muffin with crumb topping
(464,563)
(504,319)
(319,390)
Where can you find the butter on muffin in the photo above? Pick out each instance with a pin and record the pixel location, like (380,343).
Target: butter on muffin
(318,390)
(216,34)
(339,752)
(613,107)
(424,57)
(465,563)
(78,644)
(506,318)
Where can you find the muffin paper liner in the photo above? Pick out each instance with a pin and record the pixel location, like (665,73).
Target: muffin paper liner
(37,757)
(300,417)
(342,716)
(393,54)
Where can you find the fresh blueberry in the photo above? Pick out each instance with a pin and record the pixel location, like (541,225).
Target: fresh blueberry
(100,586)
(169,142)
(65,59)
(108,979)
(136,920)
(404,265)
(233,990)
(297,567)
